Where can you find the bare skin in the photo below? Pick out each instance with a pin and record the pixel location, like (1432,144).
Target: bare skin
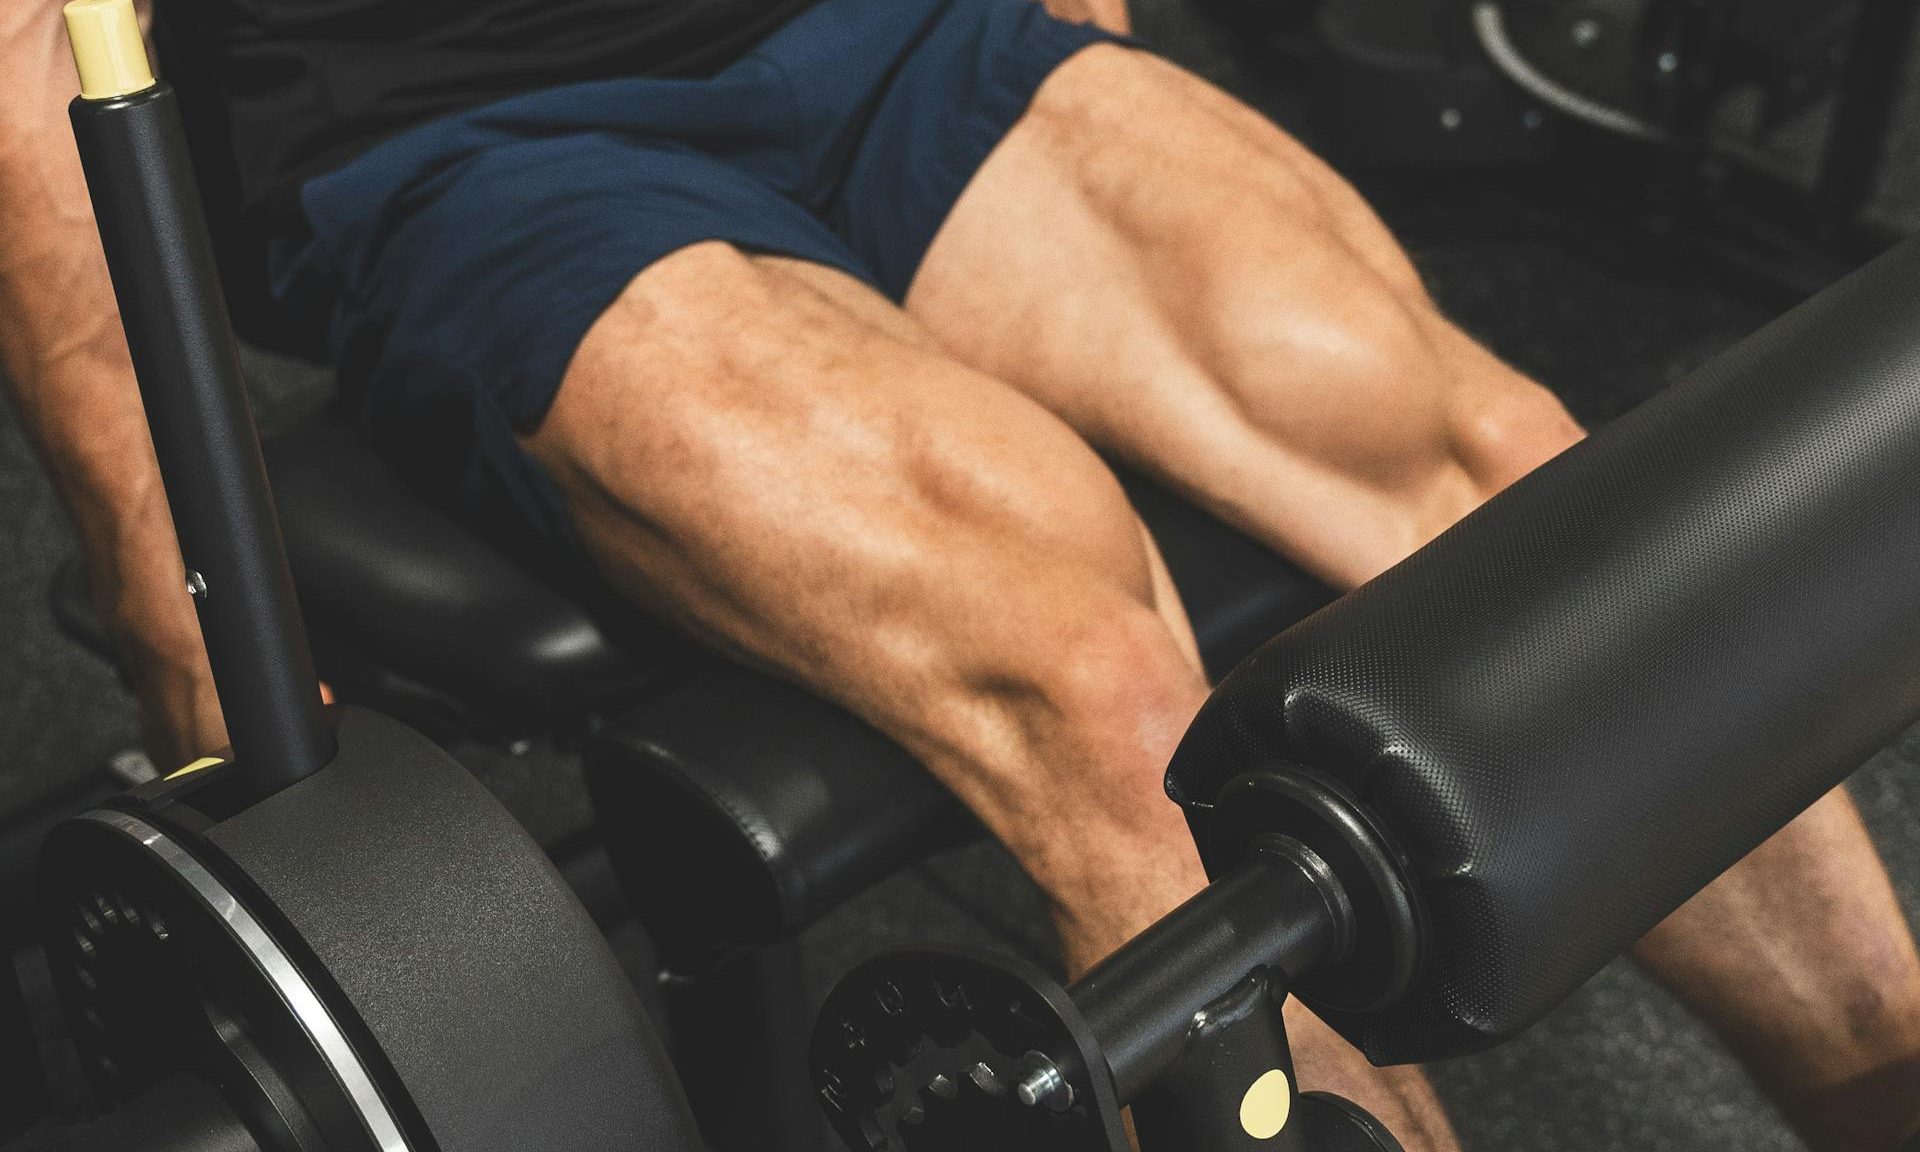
(62,349)
(901,509)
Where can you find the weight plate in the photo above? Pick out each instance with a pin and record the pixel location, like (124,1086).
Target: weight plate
(927,1051)
(163,968)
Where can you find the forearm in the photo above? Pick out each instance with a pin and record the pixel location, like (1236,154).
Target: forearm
(64,357)
(60,338)
(61,346)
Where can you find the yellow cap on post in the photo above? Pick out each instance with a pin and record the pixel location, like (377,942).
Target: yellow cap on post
(108,49)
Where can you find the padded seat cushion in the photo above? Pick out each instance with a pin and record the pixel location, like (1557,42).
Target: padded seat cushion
(398,594)
(738,809)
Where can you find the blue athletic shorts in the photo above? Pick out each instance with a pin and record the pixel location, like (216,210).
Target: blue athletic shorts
(461,263)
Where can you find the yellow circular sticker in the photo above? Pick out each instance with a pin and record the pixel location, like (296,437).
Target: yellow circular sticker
(1265,1107)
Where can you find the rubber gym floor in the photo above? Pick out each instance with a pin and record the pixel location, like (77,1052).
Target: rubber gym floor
(1601,315)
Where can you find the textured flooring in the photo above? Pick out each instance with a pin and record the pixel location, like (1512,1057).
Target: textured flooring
(1604,320)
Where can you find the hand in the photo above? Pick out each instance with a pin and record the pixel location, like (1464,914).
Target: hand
(1108,14)
(180,717)
(157,638)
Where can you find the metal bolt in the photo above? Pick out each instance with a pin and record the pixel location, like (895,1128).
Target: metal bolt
(196,585)
(1533,119)
(985,1079)
(943,1086)
(1451,119)
(1669,63)
(1586,33)
(1044,1085)
(851,1037)
(834,1092)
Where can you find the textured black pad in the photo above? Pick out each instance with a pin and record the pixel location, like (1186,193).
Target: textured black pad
(1588,699)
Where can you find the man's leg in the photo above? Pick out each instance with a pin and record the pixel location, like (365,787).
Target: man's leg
(775,456)
(1825,1015)
(1195,293)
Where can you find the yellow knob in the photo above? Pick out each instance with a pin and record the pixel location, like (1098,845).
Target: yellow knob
(107,48)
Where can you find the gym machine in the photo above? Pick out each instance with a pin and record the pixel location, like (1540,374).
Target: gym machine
(1435,808)
(330,937)
(1657,109)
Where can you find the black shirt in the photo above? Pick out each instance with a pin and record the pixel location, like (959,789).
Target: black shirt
(279,90)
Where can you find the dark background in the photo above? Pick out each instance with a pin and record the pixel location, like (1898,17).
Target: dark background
(1596,310)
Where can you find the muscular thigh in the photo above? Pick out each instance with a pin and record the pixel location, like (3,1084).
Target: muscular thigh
(775,457)
(1128,180)
(1191,289)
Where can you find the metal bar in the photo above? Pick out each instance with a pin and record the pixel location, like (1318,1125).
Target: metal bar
(1146,1000)
(1882,41)
(1233,1087)
(155,237)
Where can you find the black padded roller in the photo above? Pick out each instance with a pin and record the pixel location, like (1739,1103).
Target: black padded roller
(1580,705)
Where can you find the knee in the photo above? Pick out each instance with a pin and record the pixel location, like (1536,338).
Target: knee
(1877,1003)
(1066,683)
(1504,426)
(1400,394)
(1097,713)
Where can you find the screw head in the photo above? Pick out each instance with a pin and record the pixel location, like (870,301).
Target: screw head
(987,1080)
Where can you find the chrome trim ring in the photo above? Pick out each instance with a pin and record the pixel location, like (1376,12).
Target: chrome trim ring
(287,980)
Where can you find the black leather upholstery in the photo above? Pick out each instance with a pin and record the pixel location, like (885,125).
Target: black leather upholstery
(737,809)
(763,807)
(398,594)
(1583,703)
(781,804)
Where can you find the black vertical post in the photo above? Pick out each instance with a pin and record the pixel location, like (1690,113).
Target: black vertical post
(1237,1049)
(155,236)
(1880,47)
(1143,1001)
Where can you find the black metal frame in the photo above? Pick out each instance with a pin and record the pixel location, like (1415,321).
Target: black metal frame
(1793,238)
(154,233)
(1184,1024)
(1882,44)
